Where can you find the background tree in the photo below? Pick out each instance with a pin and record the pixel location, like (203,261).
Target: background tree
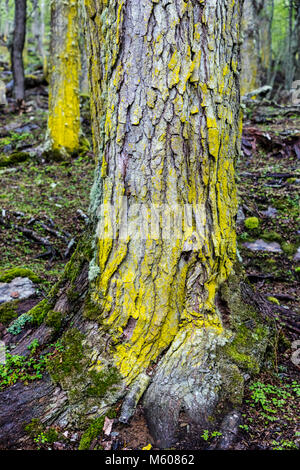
(64,105)
(17,50)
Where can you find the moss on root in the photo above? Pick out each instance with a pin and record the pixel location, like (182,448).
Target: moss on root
(250,335)
(39,312)
(10,274)
(13,159)
(8,312)
(69,360)
(94,430)
(54,320)
(103,381)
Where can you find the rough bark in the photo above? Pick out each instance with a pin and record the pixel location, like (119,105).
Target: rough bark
(64,110)
(17,50)
(160,315)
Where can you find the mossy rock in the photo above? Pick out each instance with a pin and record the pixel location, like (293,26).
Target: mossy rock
(251,223)
(13,159)
(10,274)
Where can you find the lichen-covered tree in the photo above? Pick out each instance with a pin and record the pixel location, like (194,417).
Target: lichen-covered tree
(143,313)
(256,48)
(17,50)
(64,106)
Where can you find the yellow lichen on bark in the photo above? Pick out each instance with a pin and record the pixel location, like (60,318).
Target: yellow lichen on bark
(64,105)
(167,133)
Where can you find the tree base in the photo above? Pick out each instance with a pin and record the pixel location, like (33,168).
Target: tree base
(201,375)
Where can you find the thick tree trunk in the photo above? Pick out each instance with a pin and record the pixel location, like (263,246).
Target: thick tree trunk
(64,107)
(155,309)
(17,50)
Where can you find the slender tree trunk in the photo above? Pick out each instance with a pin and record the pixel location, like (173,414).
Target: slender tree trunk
(64,110)
(256,49)
(289,62)
(151,303)
(84,79)
(37,29)
(7,25)
(297,41)
(17,50)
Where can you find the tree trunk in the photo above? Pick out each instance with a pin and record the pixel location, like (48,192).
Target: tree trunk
(256,49)
(151,304)
(37,29)
(297,40)
(64,110)
(17,50)
(289,62)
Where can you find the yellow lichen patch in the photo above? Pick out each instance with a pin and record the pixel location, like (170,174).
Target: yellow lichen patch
(165,111)
(64,106)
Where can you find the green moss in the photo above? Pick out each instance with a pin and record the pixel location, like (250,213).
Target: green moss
(73,269)
(271,236)
(8,311)
(9,275)
(233,383)
(54,319)
(251,223)
(94,430)
(91,310)
(13,159)
(251,332)
(69,360)
(103,381)
(288,248)
(39,312)
(34,428)
(243,349)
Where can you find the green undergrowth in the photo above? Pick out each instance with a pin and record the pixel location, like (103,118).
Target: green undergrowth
(42,436)
(29,368)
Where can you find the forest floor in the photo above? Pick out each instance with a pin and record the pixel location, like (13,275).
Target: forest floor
(50,199)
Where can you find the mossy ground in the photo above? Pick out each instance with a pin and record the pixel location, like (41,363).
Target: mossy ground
(272,274)
(49,192)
